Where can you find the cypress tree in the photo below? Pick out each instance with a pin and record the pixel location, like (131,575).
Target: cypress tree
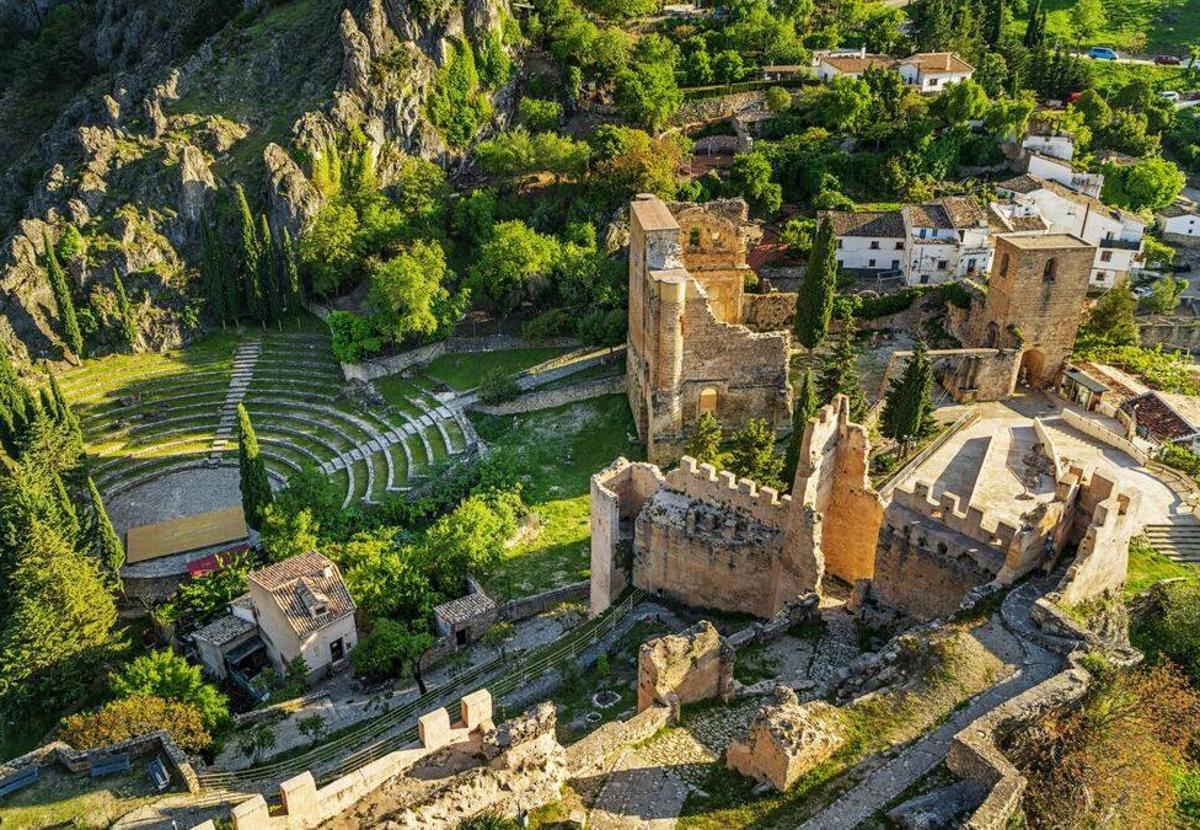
(256,487)
(814,300)
(268,277)
(62,411)
(803,408)
(839,372)
(62,298)
(66,509)
(995,22)
(248,255)
(8,435)
(908,401)
(127,323)
(210,271)
(291,273)
(48,404)
(1033,30)
(110,553)
(12,398)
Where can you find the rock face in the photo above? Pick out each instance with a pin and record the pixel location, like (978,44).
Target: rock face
(786,739)
(694,665)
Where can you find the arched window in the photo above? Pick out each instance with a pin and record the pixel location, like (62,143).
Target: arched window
(694,237)
(708,400)
(1050,270)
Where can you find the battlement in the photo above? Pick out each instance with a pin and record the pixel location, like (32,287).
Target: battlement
(971,522)
(721,487)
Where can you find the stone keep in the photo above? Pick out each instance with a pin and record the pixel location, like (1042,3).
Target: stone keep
(689,350)
(786,739)
(693,665)
(1035,300)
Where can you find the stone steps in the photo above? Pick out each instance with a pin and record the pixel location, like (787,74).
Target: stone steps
(1178,542)
(244,361)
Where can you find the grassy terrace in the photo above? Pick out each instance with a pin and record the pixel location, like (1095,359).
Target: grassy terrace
(466,371)
(1147,566)
(63,800)
(557,452)
(1170,26)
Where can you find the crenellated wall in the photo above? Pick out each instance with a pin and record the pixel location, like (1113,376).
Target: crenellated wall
(618,494)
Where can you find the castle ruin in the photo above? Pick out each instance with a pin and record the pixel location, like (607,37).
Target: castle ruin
(691,348)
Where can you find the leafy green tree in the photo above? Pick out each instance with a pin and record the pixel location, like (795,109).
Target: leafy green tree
(728,66)
(839,371)
(312,727)
(256,487)
(1164,295)
(960,103)
(778,99)
(456,105)
(1088,17)
(136,715)
(391,648)
(62,298)
(286,534)
(513,264)
(647,95)
(750,175)
(353,337)
(697,63)
(126,319)
(908,402)
(841,104)
(405,290)
(704,444)
(814,300)
(257,740)
(1150,184)
(200,600)
(330,248)
(797,234)
(804,407)
(753,455)
(166,675)
(539,115)
(110,553)
(470,539)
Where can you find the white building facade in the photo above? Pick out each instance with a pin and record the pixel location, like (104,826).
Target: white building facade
(934,71)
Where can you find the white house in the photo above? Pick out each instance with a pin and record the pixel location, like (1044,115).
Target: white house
(1117,234)
(1179,223)
(946,239)
(934,242)
(934,71)
(1054,145)
(869,240)
(828,65)
(303,609)
(1062,171)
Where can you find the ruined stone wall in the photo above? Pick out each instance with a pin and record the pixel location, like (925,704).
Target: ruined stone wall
(967,375)
(786,739)
(924,568)
(835,513)
(769,312)
(618,494)
(693,665)
(1102,558)
(1174,332)
(686,340)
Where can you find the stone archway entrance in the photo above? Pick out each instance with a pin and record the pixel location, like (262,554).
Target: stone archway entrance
(1033,369)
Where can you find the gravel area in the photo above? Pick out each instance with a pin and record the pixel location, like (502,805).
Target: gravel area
(182,493)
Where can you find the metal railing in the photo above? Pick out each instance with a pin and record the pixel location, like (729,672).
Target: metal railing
(518,670)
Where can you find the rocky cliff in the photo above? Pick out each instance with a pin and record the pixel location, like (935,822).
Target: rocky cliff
(132,159)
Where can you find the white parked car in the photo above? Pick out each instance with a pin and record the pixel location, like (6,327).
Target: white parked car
(1169,94)
(1143,291)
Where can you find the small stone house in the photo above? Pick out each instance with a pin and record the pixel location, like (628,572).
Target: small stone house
(303,609)
(465,619)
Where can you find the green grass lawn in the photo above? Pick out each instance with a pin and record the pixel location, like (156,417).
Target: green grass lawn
(62,799)
(557,451)
(1170,26)
(466,371)
(1147,566)
(1110,76)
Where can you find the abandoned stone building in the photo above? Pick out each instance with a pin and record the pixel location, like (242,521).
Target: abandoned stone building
(988,506)
(692,343)
(707,539)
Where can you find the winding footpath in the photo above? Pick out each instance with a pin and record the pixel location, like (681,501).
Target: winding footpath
(886,783)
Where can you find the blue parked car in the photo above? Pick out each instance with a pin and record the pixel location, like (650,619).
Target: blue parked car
(1102,53)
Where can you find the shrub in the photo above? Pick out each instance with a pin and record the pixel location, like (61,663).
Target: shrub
(1172,631)
(539,115)
(554,322)
(455,105)
(353,337)
(871,307)
(498,386)
(166,675)
(138,714)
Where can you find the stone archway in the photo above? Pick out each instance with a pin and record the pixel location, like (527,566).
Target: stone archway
(1032,371)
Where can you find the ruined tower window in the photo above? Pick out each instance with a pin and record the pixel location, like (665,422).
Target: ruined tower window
(1050,269)
(708,400)
(1004,265)
(694,237)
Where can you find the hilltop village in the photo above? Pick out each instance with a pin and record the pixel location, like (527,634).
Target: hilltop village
(599,414)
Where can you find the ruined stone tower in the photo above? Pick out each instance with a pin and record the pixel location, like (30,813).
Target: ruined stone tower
(1035,301)
(689,352)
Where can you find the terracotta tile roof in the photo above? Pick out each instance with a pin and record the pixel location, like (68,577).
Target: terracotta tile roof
(465,608)
(935,62)
(880,224)
(224,630)
(1023,183)
(1121,387)
(1185,406)
(308,590)
(1002,221)
(930,215)
(1028,183)
(964,211)
(1178,209)
(855,64)
(1158,418)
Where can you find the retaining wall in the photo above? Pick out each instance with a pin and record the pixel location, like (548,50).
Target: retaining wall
(397,363)
(530,606)
(550,398)
(1106,436)
(179,766)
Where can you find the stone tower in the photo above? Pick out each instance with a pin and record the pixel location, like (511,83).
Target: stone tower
(689,352)
(1036,298)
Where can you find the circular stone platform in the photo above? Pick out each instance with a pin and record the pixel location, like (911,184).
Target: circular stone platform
(182,493)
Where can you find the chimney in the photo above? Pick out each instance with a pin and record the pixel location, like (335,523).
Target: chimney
(862,51)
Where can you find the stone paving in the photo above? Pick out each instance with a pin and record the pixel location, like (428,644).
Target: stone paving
(887,782)
(638,794)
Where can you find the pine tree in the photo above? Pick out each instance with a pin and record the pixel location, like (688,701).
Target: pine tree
(814,301)
(256,487)
(753,455)
(804,407)
(839,372)
(704,444)
(110,553)
(291,272)
(62,298)
(248,256)
(128,321)
(908,401)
